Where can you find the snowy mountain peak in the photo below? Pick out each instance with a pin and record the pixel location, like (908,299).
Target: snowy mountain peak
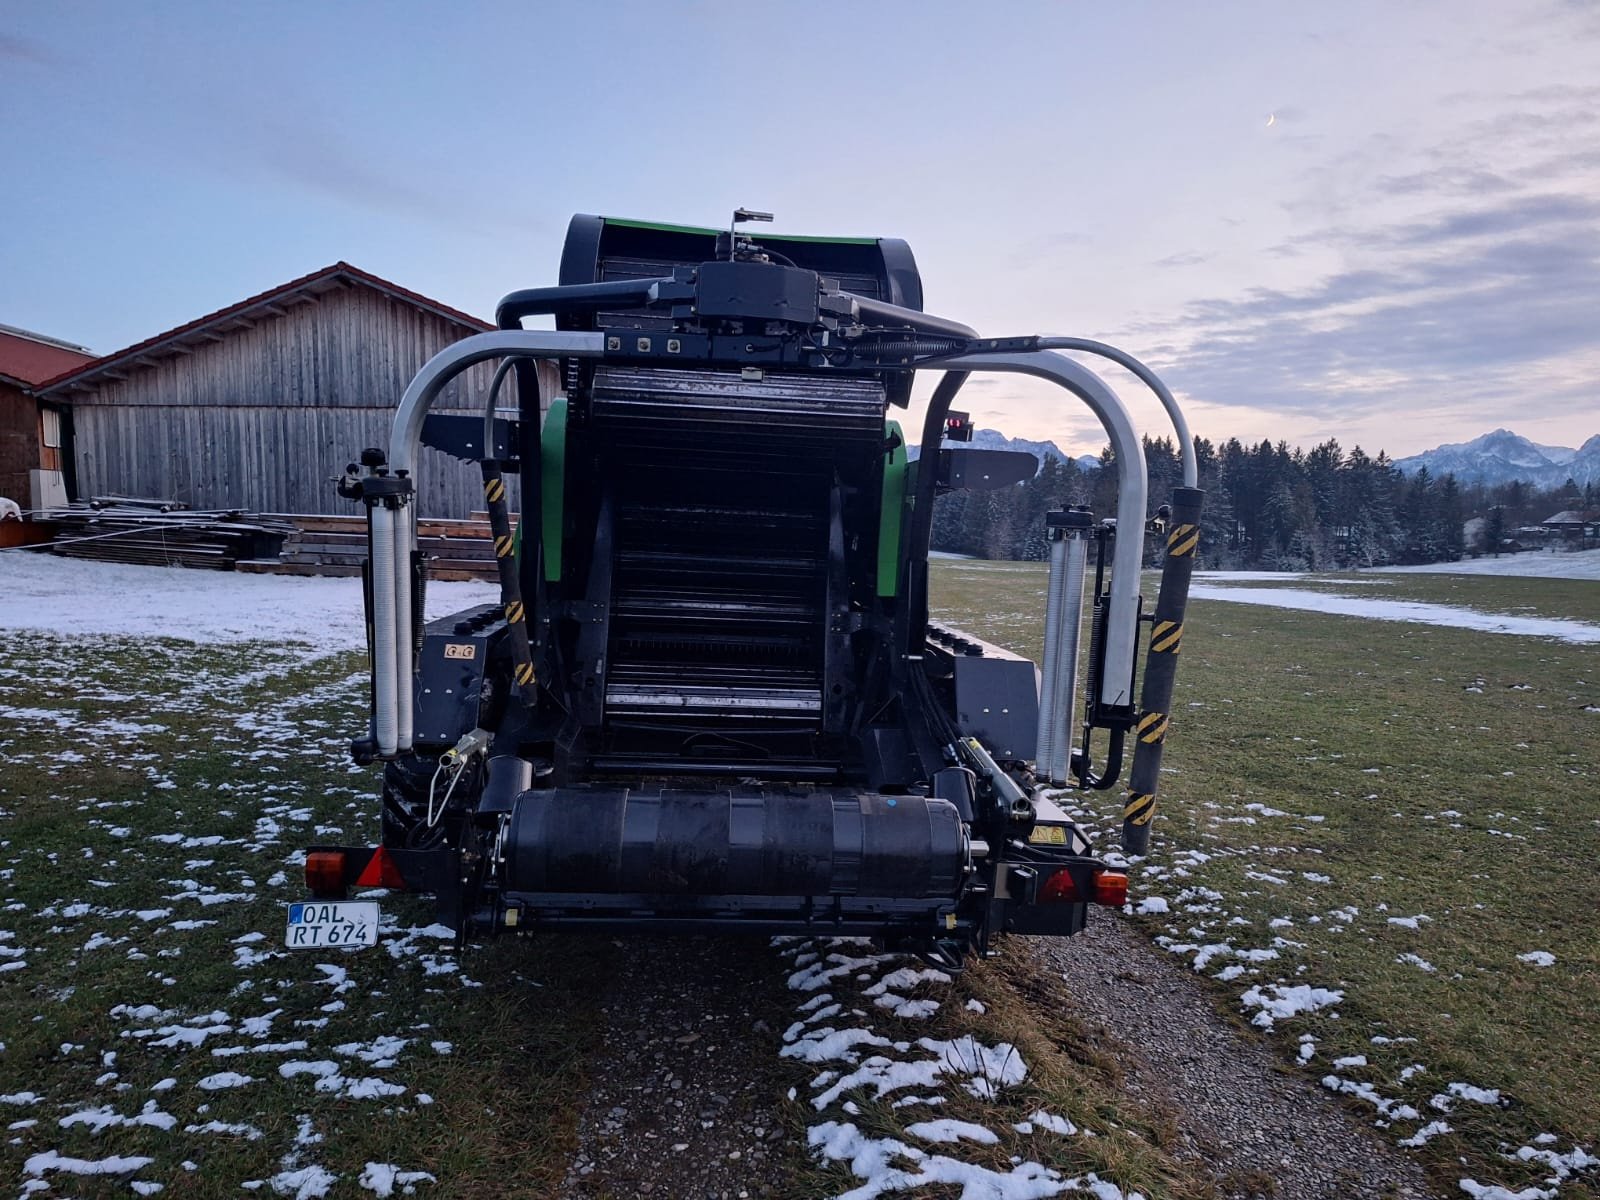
(993,439)
(1502,456)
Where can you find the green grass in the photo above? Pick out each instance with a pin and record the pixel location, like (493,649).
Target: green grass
(117,748)
(144,786)
(1382,731)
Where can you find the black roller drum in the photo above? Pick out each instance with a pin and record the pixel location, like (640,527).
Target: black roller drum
(724,843)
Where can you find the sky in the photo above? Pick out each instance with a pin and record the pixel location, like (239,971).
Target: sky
(1376,222)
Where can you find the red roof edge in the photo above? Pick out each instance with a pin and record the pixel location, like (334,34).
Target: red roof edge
(366,278)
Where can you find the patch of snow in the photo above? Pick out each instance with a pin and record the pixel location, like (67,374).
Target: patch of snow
(116,1164)
(224,1080)
(1538,958)
(950,1130)
(1409,611)
(1278,1002)
(1426,1134)
(383,1178)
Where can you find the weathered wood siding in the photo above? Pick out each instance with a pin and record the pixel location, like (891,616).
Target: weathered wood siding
(19,442)
(267,417)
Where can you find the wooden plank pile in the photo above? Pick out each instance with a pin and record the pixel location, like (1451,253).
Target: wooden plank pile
(162,533)
(329,545)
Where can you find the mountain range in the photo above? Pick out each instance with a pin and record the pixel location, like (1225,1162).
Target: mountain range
(993,439)
(1503,456)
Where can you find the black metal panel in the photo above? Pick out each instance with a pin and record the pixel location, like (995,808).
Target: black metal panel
(758,291)
(450,674)
(461,436)
(997,702)
(985,470)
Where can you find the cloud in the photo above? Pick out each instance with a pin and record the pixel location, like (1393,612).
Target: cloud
(21,50)
(1187,258)
(1456,275)
(1467,309)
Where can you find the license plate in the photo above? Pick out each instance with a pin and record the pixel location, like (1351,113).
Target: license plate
(320,924)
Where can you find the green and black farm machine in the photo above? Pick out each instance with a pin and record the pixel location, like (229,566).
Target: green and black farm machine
(710,697)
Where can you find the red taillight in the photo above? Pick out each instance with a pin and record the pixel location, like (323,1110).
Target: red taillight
(381,871)
(325,872)
(1110,888)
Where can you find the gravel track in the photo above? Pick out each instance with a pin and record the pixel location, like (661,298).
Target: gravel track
(1236,1107)
(684,1101)
(686,1094)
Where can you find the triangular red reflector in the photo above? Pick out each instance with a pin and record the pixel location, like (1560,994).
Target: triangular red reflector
(381,871)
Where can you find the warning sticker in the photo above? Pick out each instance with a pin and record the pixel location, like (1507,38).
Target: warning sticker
(1052,835)
(460,650)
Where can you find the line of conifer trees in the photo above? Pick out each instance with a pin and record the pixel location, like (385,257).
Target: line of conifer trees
(1267,507)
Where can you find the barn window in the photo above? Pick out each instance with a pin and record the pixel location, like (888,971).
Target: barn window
(50,428)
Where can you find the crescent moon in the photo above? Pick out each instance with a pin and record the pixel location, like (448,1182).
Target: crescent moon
(1272,119)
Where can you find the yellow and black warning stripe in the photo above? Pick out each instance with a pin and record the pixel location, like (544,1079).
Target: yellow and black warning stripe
(1152,727)
(514,612)
(1182,540)
(1141,806)
(1166,635)
(504,545)
(494,490)
(524,673)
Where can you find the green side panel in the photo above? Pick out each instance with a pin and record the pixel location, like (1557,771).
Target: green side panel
(892,514)
(553,484)
(774,237)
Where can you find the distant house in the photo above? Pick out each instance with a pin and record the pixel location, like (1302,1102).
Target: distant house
(260,405)
(1577,528)
(33,470)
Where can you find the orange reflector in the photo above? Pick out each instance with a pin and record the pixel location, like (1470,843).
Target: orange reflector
(381,871)
(1110,888)
(325,872)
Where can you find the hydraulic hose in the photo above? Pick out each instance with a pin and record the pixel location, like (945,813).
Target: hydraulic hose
(505,557)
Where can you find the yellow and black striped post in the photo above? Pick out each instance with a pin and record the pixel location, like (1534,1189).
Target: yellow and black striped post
(1161,668)
(505,557)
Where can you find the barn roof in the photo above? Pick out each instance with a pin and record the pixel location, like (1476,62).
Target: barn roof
(28,359)
(1572,516)
(247,313)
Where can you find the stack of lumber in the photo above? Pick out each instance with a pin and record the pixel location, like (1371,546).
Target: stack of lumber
(327,545)
(161,533)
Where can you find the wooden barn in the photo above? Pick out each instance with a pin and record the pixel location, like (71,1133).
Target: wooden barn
(259,406)
(34,471)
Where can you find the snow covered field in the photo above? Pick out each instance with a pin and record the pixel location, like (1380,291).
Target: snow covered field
(77,597)
(171,1033)
(1534,564)
(1415,612)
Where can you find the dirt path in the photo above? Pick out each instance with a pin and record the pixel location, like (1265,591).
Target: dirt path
(1265,1132)
(687,1091)
(685,1095)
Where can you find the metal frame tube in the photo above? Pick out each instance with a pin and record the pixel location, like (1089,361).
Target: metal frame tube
(1077,557)
(383,659)
(392,618)
(404,534)
(1044,752)
(1180,424)
(1133,484)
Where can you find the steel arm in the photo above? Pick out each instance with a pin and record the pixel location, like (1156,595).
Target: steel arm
(391,636)
(1122,635)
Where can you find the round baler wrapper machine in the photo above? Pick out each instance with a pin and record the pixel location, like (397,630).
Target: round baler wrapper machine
(710,695)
